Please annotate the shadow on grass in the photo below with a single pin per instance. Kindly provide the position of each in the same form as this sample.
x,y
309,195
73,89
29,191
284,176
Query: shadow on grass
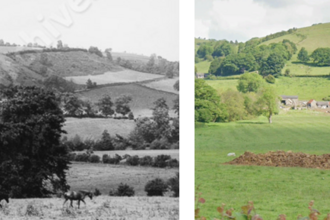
x,y
252,122
309,64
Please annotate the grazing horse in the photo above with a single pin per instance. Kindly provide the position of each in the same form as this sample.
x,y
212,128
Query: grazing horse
x,y
5,197
80,196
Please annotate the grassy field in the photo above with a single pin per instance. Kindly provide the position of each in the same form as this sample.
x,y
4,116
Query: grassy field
x,y
143,98
274,190
92,128
86,176
203,67
141,153
124,76
305,88
164,85
100,208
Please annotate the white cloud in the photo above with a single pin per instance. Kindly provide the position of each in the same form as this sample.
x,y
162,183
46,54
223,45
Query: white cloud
x,y
243,19
202,28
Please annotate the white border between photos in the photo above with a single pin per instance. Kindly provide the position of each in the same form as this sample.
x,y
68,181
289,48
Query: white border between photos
x,y
187,134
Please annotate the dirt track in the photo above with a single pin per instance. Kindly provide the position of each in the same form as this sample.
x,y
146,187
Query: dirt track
x,y
283,159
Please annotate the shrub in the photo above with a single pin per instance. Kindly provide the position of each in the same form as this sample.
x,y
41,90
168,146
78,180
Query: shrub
x,y
270,79
174,185
123,190
155,187
97,192
133,161
160,160
159,144
94,159
72,156
173,163
145,161
175,146
130,116
82,157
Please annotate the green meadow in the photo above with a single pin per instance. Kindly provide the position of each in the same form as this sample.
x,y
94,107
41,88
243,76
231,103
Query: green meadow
x,y
203,66
305,87
274,190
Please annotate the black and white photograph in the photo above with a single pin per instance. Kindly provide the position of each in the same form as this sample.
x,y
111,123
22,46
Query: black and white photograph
x,y
89,109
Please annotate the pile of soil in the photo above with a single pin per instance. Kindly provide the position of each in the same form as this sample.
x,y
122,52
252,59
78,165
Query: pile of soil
x,y
283,159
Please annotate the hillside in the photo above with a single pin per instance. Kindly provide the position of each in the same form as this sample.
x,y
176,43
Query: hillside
x,y
311,38
130,56
71,63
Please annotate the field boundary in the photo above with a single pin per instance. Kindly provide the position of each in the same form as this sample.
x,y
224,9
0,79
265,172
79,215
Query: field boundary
x,y
138,83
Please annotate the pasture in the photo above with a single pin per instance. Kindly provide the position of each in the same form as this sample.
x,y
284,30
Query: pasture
x,y
274,190
101,208
110,77
203,66
163,85
142,97
305,87
92,128
88,176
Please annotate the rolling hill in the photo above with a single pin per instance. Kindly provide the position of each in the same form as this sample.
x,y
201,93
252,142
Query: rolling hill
x,y
312,37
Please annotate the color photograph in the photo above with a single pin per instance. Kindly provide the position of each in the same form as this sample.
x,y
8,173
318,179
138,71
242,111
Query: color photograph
x,y
262,109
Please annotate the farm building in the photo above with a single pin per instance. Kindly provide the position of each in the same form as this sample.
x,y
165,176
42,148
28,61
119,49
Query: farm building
x,y
289,100
311,103
323,104
200,75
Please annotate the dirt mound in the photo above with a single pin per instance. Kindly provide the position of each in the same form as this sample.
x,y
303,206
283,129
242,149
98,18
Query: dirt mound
x,y
283,159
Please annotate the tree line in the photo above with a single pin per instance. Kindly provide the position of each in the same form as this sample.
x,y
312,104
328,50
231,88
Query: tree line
x,y
254,97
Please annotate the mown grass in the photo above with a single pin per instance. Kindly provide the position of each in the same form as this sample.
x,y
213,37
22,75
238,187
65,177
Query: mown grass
x,y
306,88
274,190
203,66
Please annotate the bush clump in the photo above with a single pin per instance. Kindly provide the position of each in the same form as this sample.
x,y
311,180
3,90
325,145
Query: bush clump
x,y
174,185
133,161
82,157
155,187
97,192
145,161
123,190
161,161
270,79
94,159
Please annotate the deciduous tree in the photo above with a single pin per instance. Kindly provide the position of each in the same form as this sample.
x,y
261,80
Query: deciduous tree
x,y
30,152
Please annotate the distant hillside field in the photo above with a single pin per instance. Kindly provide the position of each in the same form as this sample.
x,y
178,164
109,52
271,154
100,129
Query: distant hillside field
x,y
123,76
92,128
72,63
306,88
6,49
164,85
130,56
203,67
143,98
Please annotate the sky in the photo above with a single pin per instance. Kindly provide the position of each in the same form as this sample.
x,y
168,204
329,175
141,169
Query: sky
x,y
141,27
242,20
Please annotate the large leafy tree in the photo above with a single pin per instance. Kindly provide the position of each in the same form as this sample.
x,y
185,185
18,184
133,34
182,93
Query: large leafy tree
x,y
208,107
105,105
30,151
272,65
321,56
268,102
161,117
303,55
122,106
250,82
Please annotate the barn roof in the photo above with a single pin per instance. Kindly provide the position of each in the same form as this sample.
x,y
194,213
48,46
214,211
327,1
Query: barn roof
x,y
310,101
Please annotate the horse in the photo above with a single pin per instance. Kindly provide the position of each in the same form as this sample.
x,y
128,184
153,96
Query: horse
x,y
5,197
80,196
